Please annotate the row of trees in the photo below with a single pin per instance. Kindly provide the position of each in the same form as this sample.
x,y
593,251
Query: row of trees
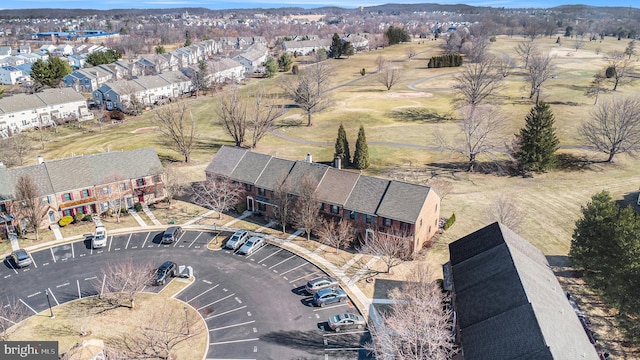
x,y
361,154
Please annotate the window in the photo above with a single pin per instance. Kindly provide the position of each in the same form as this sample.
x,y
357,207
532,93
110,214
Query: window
x,y
85,193
157,179
369,219
420,222
49,199
67,197
353,215
3,208
66,213
321,206
262,206
436,207
140,182
262,192
405,227
247,187
82,210
335,209
387,222
123,186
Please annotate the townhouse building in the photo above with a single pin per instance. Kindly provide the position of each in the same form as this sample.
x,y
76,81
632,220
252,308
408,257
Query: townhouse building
x,y
306,47
253,59
370,204
87,184
89,79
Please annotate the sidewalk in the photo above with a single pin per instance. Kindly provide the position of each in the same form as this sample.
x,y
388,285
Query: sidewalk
x,y
137,217
148,212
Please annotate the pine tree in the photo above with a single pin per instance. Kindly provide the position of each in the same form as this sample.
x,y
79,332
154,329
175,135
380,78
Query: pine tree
x,y
342,147
361,155
335,51
537,140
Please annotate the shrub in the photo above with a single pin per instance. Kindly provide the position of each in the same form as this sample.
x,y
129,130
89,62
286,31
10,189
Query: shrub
x,y
138,207
78,217
66,220
363,72
450,221
294,69
123,210
116,115
241,207
449,60
87,218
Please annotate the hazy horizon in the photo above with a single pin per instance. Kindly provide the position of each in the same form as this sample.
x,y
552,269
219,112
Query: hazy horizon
x,y
268,4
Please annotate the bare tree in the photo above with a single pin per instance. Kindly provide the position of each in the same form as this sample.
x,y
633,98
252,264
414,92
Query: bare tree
x,y
596,87
504,66
524,50
389,76
220,194
506,211
114,192
282,202
18,146
479,134
614,127
417,325
32,210
578,43
120,283
540,70
178,125
391,247
336,233
478,82
619,69
306,208
263,112
442,187
173,183
232,113
381,62
168,327
12,311
309,88
411,53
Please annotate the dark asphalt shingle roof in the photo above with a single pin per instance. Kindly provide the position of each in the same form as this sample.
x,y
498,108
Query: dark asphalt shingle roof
x,y
225,161
336,186
509,303
367,194
250,167
275,172
403,201
303,169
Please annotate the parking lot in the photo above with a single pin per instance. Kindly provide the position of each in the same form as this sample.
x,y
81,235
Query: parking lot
x,y
254,306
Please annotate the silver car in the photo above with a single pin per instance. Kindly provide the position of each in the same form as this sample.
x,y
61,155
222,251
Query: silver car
x,y
237,239
21,258
319,283
251,245
346,321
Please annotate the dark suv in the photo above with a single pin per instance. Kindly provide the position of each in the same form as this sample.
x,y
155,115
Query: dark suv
x,y
167,270
171,235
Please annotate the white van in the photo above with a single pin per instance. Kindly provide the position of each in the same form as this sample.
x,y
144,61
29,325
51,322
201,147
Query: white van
x,y
99,237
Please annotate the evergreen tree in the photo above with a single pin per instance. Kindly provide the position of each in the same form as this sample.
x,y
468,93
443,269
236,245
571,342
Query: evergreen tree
x,y
342,147
50,72
335,51
188,41
537,141
347,49
270,67
361,155
284,62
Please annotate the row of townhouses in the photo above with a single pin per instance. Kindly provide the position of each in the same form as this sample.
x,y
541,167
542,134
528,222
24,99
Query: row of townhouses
x,y
89,184
370,204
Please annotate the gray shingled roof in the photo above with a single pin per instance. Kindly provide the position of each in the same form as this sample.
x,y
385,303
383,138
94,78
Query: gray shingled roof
x,y
174,77
37,172
20,102
403,201
225,161
250,167
302,169
336,186
509,303
367,194
6,189
276,171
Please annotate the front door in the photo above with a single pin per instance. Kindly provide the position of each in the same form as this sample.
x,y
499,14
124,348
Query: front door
x,y
141,198
52,217
250,203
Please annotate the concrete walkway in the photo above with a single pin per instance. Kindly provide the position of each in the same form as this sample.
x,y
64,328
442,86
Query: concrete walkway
x,y
153,218
244,215
137,217
199,217
56,232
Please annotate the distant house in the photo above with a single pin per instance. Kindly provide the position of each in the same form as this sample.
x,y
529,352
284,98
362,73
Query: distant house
x,y
253,59
306,47
88,184
220,71
10,75
508,303
370,204
88,79
23,111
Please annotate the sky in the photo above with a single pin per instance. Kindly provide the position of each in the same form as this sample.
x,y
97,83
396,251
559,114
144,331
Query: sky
x,y
230,4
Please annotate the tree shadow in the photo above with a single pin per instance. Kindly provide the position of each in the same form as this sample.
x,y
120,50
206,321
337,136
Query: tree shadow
x,y
566,103
419,114
571,162
496,167
629,199
382,287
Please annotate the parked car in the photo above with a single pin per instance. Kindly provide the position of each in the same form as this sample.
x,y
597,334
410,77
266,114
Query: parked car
x,y
99,239
319,283
329,296
21,258
237,239
168,269
250,246
346,321
171,235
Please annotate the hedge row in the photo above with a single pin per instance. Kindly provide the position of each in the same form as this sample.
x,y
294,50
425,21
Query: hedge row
x,y
449,60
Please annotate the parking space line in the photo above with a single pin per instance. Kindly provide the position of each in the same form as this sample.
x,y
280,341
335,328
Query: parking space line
x,y
34,294
233,341
110,242
27,305
53,296
331,307
283,261
346,332
269,256
61,285
230,326
52,254
302,277
217,301
206,291
145,240
91,278
12,268
226,312
129,239
194,240
207,282
79,293
297,267
73,253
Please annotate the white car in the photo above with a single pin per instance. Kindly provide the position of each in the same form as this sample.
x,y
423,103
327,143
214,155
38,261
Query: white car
x,y
251,245
99,239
